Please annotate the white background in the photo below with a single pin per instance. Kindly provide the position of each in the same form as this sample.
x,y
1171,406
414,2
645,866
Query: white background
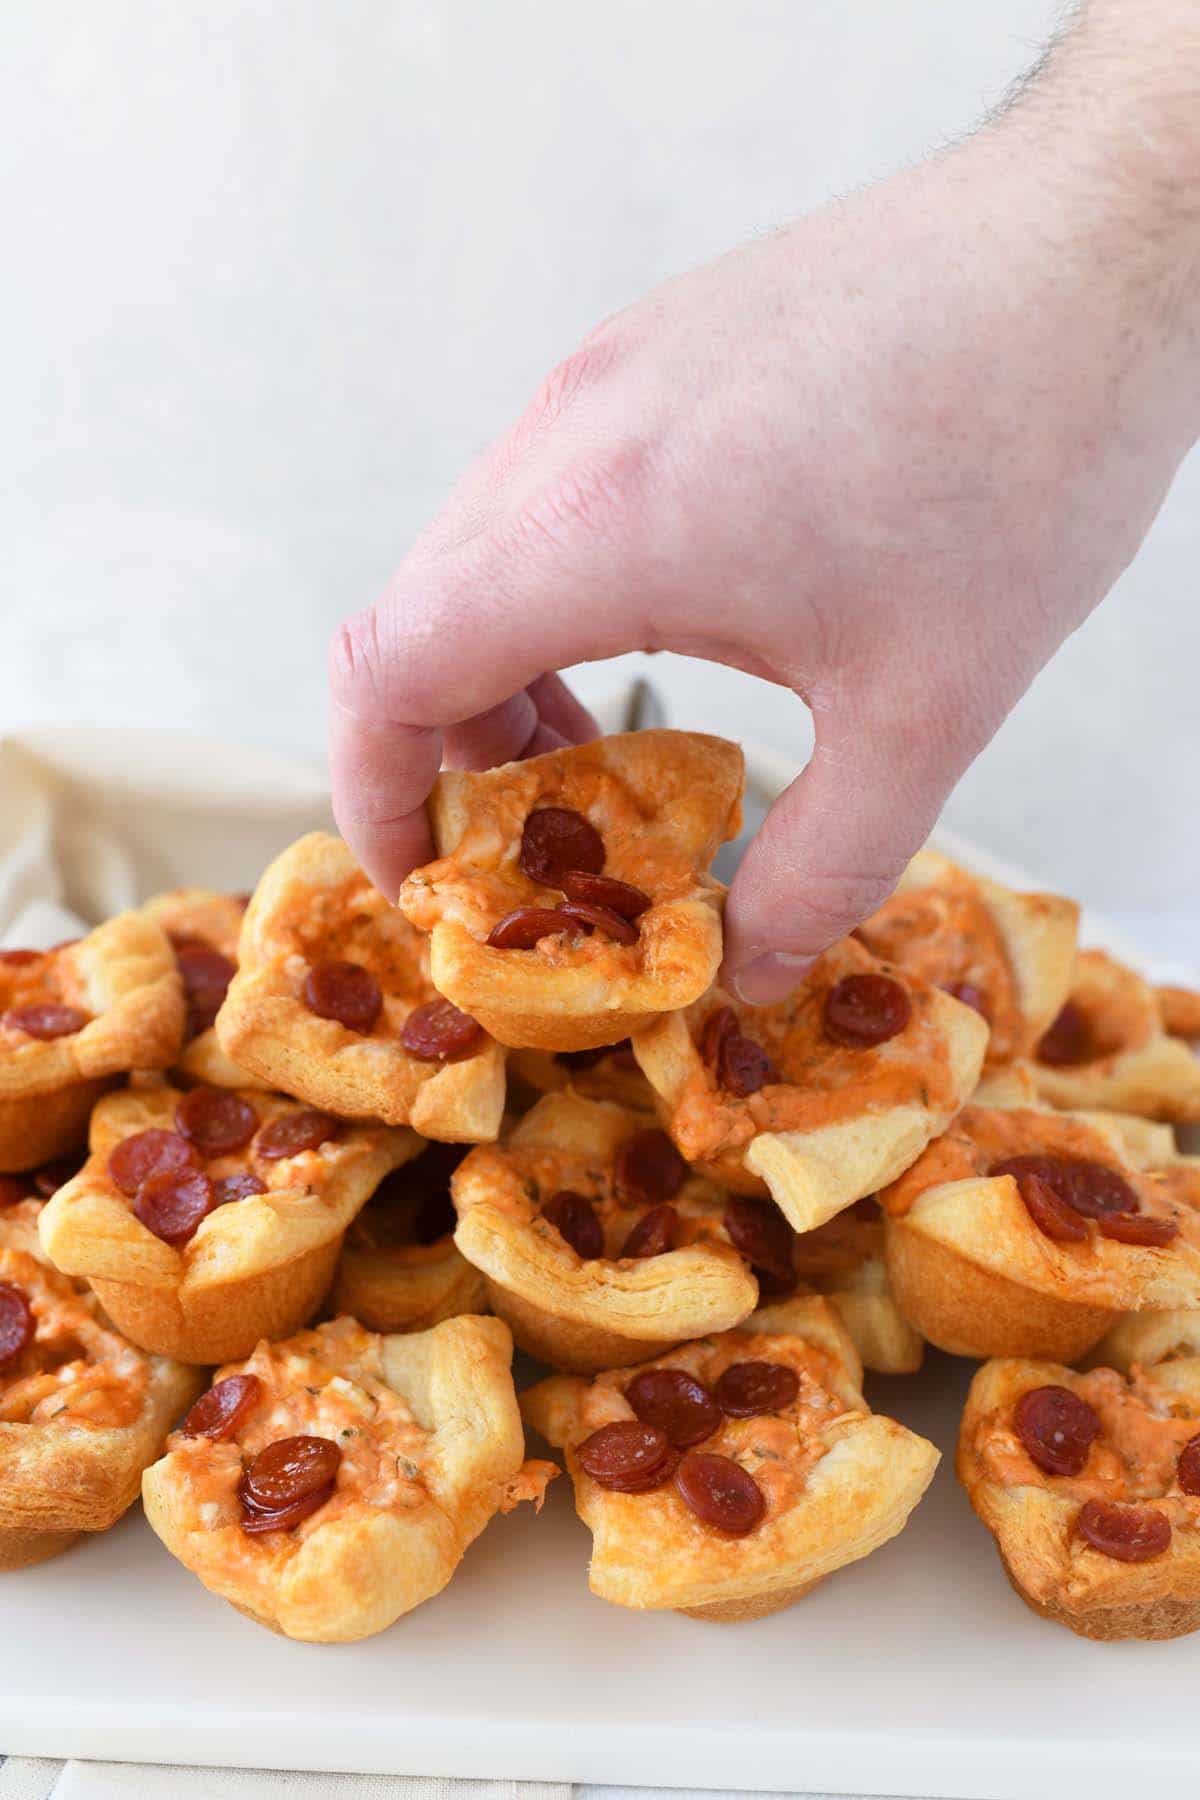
x,y
274,269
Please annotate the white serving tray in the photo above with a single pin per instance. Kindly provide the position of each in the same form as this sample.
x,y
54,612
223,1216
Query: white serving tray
x,y
916,1672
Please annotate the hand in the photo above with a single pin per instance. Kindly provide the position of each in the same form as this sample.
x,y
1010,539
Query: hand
x,y
888,458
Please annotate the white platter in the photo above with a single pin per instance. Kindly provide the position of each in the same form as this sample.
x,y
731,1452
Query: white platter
x,y
915,1672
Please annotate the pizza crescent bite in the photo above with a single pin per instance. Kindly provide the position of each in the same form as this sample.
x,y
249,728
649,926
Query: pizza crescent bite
x,y
82,1412
73,1017
843,1260
1157,1337
1090,1485
598,1244
332,1482
727,1478
203,928
208,1219
1024,1232
1109,1048
1011,956
332,1002
400,1269
823,1097
570,901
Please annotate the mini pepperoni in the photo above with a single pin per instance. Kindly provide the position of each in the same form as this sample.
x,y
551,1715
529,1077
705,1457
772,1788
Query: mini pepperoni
x,y
1092,1188
17,958
45,1022
1052,1215
558,841
242,1186
216,1120
599,918
864,1010
287,1482
438,1032
1057,1428
227,1404
172,1204
677,1403
525,927
344,992
648,1168
713,1032
50,1177
742,1065
759,1232
1149,1229
655,1233
601,890
1188,1467
1131,1534
968,994
206,976
155,1152
17,1325
255,1521
574,1218
292,1133
720,1492
746,1389
1068,1040
627,1456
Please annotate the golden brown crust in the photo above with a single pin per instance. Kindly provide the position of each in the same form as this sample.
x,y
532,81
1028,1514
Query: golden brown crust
x,y
42,1127
839,1481
663,801
849,1121
256,1267
604,1311
358,1564
1180,1009
1033,1516
1139,1068
314,904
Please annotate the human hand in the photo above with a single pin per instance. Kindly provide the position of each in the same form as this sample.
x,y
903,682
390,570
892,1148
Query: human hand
x,y
887,458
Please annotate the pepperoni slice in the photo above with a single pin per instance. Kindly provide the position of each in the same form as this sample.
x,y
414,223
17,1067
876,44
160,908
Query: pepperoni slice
x,y
759,1232
861,1011
1057,1429
742,1065
969,995
746,1389
525,927
439,1032
1150,1230
1052,1215
648,1168
344,992
51,1176
287,1481
13,1188
172,1204
599,918
155,1152
655,1233
225,1407
574,1218
292,1133
18,958
677,1403
242,1186
1131,1534
713,1033
45,1022
206,975
217,1121
720,1492
17,1326
285,1518
601,890
1068,1040
1188,1467
1092,1188
558,841
627,1456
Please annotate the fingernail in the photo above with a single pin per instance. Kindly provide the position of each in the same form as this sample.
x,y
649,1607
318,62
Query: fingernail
x,y
770,977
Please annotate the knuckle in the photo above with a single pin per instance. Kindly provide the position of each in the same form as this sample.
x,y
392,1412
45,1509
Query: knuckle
x,y
601,497
831,904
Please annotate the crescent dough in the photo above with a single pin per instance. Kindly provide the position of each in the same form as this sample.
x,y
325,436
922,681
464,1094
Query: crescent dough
x,y
1016,951
314,904
597,1313
1138,1067
1033,1515
839,1480
255,1267
75,1434
842,1122
432,1449
663,802
844,1260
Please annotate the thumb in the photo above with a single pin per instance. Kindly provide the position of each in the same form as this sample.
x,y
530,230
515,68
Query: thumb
x,y
834,845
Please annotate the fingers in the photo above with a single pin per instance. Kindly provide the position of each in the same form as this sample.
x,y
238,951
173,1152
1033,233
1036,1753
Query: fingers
x,y
543,716
833,847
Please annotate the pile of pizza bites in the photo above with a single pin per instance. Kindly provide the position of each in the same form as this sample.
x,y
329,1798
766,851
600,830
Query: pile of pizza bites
x,y
287,1175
